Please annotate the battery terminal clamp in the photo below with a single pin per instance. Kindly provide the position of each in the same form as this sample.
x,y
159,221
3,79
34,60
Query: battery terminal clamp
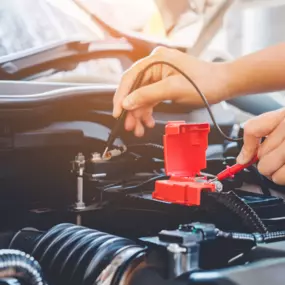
x,y
185,148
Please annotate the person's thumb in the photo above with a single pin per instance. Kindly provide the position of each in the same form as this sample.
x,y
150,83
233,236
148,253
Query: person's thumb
x,y
249,149
148,95
254,130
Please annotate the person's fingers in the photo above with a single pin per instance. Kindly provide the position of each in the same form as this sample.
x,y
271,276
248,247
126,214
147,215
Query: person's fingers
x,y
250,146
130,122
154,74
148,120
272,162
273,140
139,129
254,130
138,116
279,176
129,78
124,88
150,95
144,115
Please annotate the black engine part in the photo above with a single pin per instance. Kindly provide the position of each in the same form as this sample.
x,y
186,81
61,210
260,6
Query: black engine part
x,y
19,267
72,254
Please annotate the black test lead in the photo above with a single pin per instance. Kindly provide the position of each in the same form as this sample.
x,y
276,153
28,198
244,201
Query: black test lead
x,y
115,131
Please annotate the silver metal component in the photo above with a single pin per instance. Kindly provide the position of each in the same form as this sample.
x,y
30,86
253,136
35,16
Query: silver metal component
x,y
207,175
107,275
182,259
116,152
79,166
213,180
79,205
218,186
176,248
78,220
99,175
96,157
108,154
105,152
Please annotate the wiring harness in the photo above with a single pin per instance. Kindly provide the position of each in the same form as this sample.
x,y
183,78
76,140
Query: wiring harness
x,y
253,237
256,238
234,204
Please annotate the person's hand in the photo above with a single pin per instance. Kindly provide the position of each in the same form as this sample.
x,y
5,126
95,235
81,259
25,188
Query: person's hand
x,y
271,152
162,82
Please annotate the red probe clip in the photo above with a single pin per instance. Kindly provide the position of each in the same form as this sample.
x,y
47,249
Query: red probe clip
x,y
232,170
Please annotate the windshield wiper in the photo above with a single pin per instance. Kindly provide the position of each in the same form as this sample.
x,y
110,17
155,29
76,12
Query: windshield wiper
x,y
62,56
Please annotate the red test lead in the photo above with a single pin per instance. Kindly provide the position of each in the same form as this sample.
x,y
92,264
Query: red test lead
x,y
232,170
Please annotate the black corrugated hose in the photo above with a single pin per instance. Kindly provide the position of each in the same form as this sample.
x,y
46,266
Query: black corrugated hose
x,y
236,205
17,264
75,255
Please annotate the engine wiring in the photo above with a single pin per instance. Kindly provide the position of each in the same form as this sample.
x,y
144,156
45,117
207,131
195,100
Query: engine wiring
x,y
139,186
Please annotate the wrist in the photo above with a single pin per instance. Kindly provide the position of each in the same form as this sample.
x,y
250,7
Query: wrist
x,y
236,81
229,81
224,82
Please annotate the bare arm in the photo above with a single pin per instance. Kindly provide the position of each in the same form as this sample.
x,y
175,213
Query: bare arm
x,y
260,72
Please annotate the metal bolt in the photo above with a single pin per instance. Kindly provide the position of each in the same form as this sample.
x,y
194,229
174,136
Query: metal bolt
x,y
79,205
96,156
176,248
80,164
80,158
218,186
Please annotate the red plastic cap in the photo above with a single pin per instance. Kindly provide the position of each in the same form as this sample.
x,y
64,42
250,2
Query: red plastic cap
x,y
181,191
185,148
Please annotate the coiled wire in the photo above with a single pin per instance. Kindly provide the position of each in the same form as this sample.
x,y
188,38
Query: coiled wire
x,y
17,264
237,206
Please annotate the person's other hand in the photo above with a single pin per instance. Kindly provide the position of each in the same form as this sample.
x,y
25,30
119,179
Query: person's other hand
x,y
271,152
162,82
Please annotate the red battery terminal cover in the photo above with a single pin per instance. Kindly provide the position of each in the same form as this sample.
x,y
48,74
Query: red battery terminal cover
x,y
185,148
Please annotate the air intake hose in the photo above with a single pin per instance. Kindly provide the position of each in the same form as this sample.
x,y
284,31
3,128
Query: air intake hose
x,y
19,265
71,254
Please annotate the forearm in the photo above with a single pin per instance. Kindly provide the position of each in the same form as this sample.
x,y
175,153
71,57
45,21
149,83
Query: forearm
x,y
260,72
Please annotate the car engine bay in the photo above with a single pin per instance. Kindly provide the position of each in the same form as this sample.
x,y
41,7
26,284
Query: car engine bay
x,y
149,212
69,216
